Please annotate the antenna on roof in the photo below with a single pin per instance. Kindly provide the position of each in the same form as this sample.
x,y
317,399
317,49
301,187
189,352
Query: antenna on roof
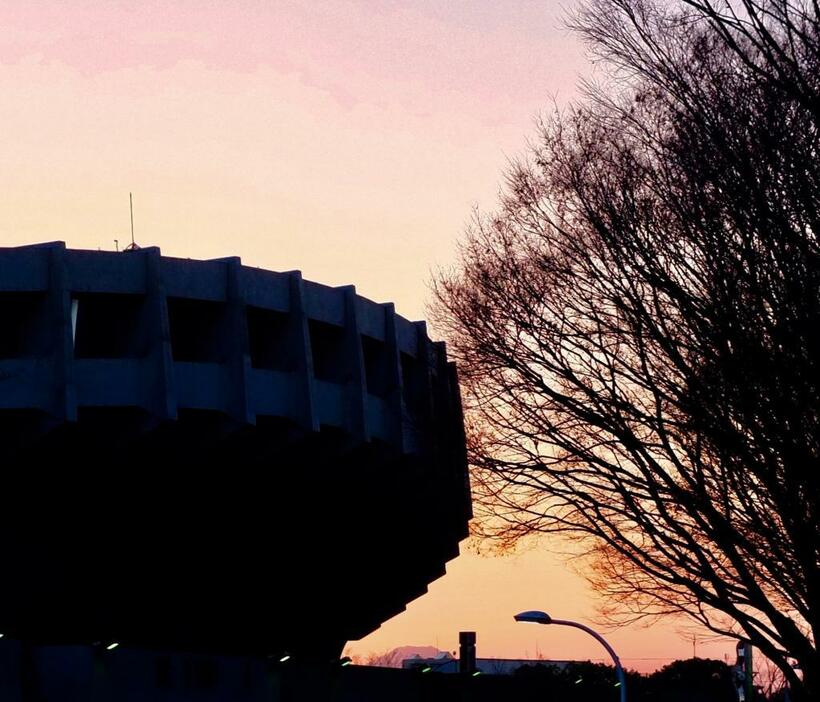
x,y
133,245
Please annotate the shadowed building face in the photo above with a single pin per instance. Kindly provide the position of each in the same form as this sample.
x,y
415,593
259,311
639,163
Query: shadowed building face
x,y
200,453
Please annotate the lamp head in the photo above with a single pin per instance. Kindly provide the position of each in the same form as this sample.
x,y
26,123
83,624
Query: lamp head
x,y
533,615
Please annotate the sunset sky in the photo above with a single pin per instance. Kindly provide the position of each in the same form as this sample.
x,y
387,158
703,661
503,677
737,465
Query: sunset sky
x,y
349,140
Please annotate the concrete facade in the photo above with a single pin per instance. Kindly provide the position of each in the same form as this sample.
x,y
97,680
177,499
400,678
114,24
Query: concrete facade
x,y
203,455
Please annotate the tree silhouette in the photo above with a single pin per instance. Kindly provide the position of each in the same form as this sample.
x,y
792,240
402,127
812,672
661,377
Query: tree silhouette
x,y
693,680
638,324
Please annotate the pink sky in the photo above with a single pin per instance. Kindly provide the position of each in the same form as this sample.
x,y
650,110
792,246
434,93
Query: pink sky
x,y
346,139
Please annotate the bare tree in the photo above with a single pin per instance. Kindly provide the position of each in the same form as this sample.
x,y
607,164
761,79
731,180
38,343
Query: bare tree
x,y
384,659
638,325
771,682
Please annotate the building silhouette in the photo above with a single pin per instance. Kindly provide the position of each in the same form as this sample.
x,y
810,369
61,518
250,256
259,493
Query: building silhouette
x,y
209,458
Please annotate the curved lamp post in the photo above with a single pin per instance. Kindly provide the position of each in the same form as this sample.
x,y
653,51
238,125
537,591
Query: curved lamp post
x,y
537,617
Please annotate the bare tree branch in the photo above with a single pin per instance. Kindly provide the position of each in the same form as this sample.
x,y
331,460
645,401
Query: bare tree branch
x,y
638,324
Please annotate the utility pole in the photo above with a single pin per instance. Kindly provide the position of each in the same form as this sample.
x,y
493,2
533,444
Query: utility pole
x,y
744,671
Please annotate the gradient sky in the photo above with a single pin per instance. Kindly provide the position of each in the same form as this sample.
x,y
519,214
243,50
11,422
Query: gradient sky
x,y
346,139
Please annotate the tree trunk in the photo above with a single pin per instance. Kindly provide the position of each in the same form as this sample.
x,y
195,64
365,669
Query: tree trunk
x,y
809,691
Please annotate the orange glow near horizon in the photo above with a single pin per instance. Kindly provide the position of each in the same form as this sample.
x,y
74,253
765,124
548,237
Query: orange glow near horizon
x,y
346,139
482,593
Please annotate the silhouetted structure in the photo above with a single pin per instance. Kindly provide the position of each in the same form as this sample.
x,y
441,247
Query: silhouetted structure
x,y
466,651
444,663
204,456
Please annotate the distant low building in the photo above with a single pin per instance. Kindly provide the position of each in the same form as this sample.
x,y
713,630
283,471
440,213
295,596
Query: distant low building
x,y
445,663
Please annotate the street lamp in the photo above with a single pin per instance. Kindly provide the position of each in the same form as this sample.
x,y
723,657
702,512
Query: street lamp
x,y
537,617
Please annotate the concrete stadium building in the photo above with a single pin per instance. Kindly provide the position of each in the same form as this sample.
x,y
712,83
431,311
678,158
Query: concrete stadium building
x,y
205,456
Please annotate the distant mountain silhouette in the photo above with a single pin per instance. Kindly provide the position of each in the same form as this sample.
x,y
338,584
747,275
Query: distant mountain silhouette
x,y
403,652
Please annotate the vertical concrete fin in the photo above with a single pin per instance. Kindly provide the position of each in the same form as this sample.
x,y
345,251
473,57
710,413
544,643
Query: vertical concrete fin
x,y
238,362
64,405
459,440
160,385
355,376
301,354
395,394
423,380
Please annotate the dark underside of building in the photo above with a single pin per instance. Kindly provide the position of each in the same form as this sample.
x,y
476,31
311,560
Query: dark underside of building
x,y
203,457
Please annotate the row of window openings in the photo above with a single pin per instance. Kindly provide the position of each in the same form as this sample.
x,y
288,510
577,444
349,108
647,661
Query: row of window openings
x,y
118,326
